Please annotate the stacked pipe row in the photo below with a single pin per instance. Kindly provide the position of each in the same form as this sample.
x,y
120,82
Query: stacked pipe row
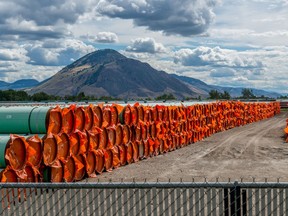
x,y
21,155
81,142
286,130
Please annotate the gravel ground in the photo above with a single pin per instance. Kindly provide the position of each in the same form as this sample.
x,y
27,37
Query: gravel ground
x,y
256,151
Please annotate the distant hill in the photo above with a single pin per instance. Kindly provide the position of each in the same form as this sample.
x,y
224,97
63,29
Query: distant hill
x,y
202,88
233,91
19,84
108,73
236,92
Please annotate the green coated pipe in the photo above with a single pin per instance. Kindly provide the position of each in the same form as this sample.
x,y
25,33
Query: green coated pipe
x,y
22,120
30,135
1,171
15,119
39,120
47,174
4,139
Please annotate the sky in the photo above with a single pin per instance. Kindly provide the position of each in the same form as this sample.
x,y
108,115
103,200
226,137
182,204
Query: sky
x,y
239,43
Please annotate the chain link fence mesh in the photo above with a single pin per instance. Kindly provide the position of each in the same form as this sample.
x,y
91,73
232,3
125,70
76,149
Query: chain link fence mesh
x,y
146,198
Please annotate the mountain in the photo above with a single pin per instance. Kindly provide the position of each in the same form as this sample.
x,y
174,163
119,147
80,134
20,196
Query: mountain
x,y
108,73
199,86
236,92
3,83
19,84
233,91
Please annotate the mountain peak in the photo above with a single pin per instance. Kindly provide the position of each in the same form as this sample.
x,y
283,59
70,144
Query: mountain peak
x,y
98,57
106,53
108,73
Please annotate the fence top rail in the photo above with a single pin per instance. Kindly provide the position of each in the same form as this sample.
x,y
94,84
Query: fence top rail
x,y
99,185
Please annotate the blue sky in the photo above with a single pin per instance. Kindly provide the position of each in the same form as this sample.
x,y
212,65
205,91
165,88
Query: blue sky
x,y
241,43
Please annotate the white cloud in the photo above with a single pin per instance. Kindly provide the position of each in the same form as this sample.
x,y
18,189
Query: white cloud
x,y
240,78
106,37
56,53
40,56
5,64
249,37
137,55
45,12
184,17
38,20
222,72
216,56
256,22
16,54
146,45
6,68
101,37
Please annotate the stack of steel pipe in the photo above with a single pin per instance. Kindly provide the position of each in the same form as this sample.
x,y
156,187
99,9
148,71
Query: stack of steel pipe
x,y
83,141
86,144
286,130
21,155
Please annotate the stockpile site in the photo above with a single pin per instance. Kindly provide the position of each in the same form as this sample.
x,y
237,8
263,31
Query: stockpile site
x,y
221,158
227,140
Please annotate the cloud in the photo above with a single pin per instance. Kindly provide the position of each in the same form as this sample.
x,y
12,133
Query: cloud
x,y
183,17
218,57
16,28
106,37
222,72
270,68
248,36
12,54
258,22
57,53
8,70
40,56
146,45
8,67
37,20
45,13
102,37
5,64
240,79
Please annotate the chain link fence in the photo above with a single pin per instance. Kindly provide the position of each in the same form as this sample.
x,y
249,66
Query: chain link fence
x,y
146,198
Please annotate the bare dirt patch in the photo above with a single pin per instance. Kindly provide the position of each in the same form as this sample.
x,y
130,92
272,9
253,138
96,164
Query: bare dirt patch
x,y
255,151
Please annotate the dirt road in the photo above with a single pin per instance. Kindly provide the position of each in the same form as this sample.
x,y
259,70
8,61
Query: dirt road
x,y
255,151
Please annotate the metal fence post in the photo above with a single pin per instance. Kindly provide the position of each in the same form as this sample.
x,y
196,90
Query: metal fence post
x,y
226,201
238,198
244,202
232,200
235,199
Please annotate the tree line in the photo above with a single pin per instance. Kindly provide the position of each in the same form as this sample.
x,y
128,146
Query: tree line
x,y
214,94
14,95
246,94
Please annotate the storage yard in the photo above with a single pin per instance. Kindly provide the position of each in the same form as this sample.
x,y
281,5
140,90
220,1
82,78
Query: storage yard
x,y
253,152
208,141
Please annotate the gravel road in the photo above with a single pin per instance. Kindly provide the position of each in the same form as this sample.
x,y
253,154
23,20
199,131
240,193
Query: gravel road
x,y
255,151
